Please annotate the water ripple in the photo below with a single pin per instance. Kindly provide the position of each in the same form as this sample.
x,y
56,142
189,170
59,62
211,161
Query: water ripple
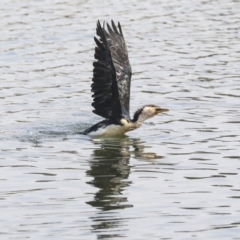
x,y
177,177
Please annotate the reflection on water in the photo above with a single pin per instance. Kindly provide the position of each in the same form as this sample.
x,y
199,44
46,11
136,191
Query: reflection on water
x,y
110,169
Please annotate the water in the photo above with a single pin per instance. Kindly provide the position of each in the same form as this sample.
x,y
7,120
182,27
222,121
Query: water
x,y
174,178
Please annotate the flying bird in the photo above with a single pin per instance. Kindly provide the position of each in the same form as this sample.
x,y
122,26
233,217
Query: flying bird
x,y
111,86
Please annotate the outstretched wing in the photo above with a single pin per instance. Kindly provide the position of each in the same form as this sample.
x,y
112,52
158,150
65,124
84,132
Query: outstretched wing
x,y
111,74
121,63
106,97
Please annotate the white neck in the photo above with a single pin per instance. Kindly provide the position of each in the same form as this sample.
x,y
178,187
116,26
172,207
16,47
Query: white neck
x,y
143,114
142,117
139,122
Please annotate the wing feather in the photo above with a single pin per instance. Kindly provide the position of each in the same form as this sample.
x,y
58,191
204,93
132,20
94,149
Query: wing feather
x,y
106,101
121,63
111,74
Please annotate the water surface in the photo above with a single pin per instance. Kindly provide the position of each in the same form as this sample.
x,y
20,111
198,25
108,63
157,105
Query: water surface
x,y
174,178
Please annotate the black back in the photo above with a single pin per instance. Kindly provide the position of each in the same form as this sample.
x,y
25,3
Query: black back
x,y
111,74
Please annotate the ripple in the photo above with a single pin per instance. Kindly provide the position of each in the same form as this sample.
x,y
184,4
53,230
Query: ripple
x,y
174,178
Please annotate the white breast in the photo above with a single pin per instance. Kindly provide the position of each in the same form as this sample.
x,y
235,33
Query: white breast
x,y
114,130
110,130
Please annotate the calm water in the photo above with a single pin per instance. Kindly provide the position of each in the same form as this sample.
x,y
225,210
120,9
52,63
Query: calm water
x,y
177,177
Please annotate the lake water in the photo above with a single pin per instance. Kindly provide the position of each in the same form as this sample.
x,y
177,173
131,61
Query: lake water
x,y
177,177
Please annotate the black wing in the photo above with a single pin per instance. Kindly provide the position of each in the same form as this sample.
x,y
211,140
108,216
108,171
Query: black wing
x,y
122,65
111,75
105,98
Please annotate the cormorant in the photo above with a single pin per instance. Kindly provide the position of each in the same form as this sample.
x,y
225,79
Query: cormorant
x,y
111,86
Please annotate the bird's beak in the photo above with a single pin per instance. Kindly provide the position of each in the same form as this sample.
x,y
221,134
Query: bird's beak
x,y
161,110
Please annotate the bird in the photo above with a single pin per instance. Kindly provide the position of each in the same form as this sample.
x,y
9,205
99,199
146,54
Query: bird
x,y
111,85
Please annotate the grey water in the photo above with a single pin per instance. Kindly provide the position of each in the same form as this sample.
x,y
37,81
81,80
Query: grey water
x,y
177,177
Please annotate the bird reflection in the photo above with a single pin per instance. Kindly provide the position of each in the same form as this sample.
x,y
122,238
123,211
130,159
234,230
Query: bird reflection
x,y
110,169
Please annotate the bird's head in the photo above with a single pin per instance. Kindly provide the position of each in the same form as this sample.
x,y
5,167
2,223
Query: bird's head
x,y
147,112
